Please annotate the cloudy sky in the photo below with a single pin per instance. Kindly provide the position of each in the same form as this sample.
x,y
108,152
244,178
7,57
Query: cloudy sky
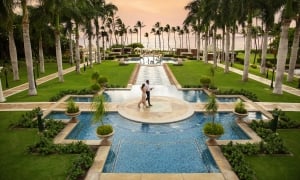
x,y
149,12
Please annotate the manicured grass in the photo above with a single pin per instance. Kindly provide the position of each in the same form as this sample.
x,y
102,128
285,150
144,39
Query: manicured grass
x,y
279,167
50,67
191,72
16,164
117,75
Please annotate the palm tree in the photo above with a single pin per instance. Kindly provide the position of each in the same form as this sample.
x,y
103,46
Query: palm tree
x,y
194,19
268,10
174,31
294,52
167,29
154,32
99,10
39,24
157,32
27,49
291,8
7,16
140,25
56,8
147,36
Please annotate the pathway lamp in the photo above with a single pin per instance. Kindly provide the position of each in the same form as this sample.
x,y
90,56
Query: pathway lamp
x,y
40,121
273,70
274,122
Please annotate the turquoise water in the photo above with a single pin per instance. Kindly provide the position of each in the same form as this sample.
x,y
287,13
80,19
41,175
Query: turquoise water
x,y
157,148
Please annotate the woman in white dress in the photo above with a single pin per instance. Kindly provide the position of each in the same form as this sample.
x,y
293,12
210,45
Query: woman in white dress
x,y
143,100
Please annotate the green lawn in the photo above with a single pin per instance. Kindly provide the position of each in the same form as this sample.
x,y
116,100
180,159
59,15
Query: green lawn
x,y
116,74
50,67
16,164
256,71
279,167
191,72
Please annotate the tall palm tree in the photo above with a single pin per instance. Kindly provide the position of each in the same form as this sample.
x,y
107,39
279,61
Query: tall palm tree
x,y
290,10
167,29
7,22
154,32
56,8
295,47
99,11
40,26
174,32
268,9
158,32
147,36
7,16
27,49
194,19
140,25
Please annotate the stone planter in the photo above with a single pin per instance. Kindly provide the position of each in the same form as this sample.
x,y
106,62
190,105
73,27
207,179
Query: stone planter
x,y
212,139
240,116
73,116
105,139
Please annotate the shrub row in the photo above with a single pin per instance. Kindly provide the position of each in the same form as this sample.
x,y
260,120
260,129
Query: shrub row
x,y
62,93
250,95
26,120
45,145
236,158
272,143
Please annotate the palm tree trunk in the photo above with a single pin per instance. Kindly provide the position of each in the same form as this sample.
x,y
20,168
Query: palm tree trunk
x,y
281,56
58,57
41,55
227,46
233,44
90,51
13,55
214,47
247,53
98,48
223,45
2,98
294,53
28,53
264,52
205,47
77,53
71,49
198,44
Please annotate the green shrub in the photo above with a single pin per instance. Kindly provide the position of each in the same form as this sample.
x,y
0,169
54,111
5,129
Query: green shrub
x,y
104,129
240,107
79,166
254,66
205,81
213,129
95,87
26,120
72,107
70,91
237,161
243,92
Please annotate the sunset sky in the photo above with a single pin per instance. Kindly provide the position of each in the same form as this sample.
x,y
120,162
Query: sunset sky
x,y
149,12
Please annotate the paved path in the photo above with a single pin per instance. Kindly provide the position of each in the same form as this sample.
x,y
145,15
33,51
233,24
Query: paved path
x,y
23,87
285,88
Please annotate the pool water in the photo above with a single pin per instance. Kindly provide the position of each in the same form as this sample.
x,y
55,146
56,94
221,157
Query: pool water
x,y
157,148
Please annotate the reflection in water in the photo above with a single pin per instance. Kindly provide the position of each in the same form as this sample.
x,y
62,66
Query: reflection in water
x,y
145,127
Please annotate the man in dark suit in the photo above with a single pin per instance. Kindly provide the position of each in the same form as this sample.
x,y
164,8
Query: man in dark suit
x,y
148,89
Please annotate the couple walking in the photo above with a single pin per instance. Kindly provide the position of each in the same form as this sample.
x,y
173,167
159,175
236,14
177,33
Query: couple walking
x,y
145,88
